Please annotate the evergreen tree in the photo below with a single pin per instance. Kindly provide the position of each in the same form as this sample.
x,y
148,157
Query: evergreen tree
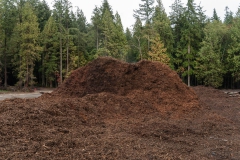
x,y
138,37
43,13
7,23
158,52
58,13
176,16
131,54
162,26
96,21
82,30
120,38
187,27
61,14
210,66
29,47
228,16
234,50
215,16
50,51
107,47
145,10
145,13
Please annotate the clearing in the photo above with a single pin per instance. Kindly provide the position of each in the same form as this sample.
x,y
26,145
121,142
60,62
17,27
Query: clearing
x,y
114,110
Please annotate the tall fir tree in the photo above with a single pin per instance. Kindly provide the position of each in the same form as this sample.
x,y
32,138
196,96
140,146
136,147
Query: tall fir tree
x,y
50,52
81,38
145,13
145,10
228,19
233,58
138,38
29,45
120,38
107,47
210,67
215,16
7,23
131,54
188,35
96,21
162,26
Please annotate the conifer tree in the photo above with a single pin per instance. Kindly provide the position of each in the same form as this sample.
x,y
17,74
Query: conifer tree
x,y
50,50
188,35
228,19
7,23
145,10
215,16
120,38
81,42
233,59
158,52
162,26
138,37
145,13
29,47
96,21
210,66
131,54
107,47
58,13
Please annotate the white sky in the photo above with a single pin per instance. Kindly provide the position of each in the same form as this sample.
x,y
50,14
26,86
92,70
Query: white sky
x,y
125,7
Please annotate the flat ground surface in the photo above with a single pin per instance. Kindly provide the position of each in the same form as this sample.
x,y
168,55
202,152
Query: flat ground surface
x,y
152,118
23,95
30,131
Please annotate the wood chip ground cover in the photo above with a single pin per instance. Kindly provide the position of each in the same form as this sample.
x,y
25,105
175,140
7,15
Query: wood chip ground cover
x,y
115,110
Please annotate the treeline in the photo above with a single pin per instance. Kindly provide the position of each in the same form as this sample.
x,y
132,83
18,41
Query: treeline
x,y
41,46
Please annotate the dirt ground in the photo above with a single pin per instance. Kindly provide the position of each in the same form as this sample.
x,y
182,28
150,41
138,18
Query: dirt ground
x,y
114,110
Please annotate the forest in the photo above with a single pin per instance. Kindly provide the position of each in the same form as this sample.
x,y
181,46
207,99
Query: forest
x,y
40,45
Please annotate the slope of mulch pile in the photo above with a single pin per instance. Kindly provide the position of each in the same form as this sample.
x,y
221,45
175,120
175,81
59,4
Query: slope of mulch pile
x,y
115,110
146,83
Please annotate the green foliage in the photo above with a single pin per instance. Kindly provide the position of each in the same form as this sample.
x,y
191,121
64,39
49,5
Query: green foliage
x,y
188,25
209,51
50,51
162,25
215,16
210,66
228,16
234,50
29,47
7,23
137,41
145,10
111,40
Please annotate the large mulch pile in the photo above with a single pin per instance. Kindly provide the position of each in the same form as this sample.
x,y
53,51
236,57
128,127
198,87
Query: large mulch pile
x,y
149,85
114,110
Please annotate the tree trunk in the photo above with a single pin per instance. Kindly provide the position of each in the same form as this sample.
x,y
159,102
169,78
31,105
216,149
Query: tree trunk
x,y
5,62
67,57
189,66
43,81
139,48
60,58
27,82
97,38
148,42
78,52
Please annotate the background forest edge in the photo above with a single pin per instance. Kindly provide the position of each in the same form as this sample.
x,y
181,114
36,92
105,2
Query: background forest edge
x,y
40,46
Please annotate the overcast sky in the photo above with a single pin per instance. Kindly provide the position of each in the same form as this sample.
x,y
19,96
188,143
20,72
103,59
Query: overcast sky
x,y
125,7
